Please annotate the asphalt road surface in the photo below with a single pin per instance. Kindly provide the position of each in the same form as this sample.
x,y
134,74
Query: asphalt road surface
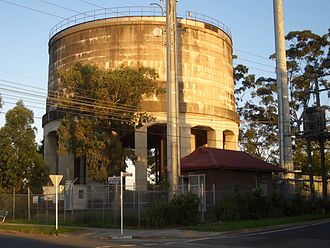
x,y
307,236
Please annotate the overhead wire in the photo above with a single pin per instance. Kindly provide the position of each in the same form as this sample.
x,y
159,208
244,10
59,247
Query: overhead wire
x,y
59,6
92,4
29,8
137,130
254,54
91,111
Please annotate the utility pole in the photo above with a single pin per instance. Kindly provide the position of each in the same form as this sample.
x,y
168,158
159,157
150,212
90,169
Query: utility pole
x,y
172,89
310,170
321,139
285,142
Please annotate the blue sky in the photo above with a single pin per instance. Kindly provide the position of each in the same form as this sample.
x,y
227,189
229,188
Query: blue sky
x,y
24,35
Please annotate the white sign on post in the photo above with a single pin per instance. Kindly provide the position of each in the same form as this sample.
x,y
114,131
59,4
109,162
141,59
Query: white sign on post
x,y
56,179
122,174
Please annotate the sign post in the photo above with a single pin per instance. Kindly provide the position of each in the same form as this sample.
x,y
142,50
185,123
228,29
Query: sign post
x,y
122,174
56,179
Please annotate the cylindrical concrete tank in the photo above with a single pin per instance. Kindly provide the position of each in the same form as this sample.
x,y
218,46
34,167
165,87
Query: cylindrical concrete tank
x,y
205,71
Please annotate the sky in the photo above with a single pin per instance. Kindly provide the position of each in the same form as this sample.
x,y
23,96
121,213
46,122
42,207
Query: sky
x,y
25,27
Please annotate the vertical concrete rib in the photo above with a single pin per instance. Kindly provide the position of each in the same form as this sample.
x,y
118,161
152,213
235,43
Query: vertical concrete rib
x,y
172,98
285,142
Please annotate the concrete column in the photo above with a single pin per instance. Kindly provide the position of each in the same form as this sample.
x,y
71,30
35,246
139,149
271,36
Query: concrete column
x,y
66,166
141,144
51,157
185,141
214,139
193,142
230,140
285,140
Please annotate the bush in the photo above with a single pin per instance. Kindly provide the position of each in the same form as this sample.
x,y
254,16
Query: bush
x,y
157,215
182,210
255,205
185,209
228,210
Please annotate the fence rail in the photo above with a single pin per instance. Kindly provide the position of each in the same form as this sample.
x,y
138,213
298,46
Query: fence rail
x,y
130,11
95,205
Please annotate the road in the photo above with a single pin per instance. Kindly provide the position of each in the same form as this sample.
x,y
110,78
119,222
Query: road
x,y
314,235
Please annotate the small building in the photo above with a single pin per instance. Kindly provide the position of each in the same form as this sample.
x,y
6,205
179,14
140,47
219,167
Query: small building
x,y
219,172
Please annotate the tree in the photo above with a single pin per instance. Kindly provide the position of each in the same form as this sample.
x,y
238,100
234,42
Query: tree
x,y
256,103
101,108
21,166
308,63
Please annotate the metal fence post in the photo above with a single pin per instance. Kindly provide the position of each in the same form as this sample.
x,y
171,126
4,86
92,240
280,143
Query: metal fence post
x,y
29,204
103,197
92,212
139,208
14,203
116,204
214,202
64,204
72,203
46,203
38,209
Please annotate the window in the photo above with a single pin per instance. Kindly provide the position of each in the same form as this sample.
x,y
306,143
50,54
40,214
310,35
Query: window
x,y
81,194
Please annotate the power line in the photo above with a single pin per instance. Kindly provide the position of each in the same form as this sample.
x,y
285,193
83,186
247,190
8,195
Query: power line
x,y
56,94
136,130
254,62
19,75
92,4
29,8
59,6
258,69
254,54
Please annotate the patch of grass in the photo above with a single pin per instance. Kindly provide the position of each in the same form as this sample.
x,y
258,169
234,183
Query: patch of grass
x,y
37,229
238,225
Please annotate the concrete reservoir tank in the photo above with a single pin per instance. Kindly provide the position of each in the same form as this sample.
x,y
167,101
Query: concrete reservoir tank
x,y
135,36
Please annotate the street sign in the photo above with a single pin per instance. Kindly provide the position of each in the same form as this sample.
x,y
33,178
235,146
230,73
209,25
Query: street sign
x,y
126,174
122,175
56,179
114,180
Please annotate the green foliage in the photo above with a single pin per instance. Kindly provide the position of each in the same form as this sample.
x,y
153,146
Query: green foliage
x,y
158,215
102,108
38,229
21,166
255,205
308,65
182,210
185,209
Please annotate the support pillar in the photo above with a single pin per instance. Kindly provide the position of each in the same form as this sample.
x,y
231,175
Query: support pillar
x,y
214,139
141,146
186,141
51,156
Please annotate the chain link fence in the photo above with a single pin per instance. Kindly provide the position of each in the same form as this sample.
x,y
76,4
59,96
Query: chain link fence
x,y
93,205
99,205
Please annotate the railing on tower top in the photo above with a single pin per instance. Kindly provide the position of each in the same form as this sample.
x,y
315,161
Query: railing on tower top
x,y
131,11
207,19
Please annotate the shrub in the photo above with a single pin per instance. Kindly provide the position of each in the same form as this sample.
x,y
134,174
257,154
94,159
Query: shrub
x,y
182,210
228,210
185,209
157,215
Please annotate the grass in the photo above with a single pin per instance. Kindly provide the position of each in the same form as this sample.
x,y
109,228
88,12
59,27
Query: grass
x,y
215,227
37,229
238,225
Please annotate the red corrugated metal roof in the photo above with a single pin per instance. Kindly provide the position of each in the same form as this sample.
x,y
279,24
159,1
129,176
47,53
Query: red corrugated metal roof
x,y
213,158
